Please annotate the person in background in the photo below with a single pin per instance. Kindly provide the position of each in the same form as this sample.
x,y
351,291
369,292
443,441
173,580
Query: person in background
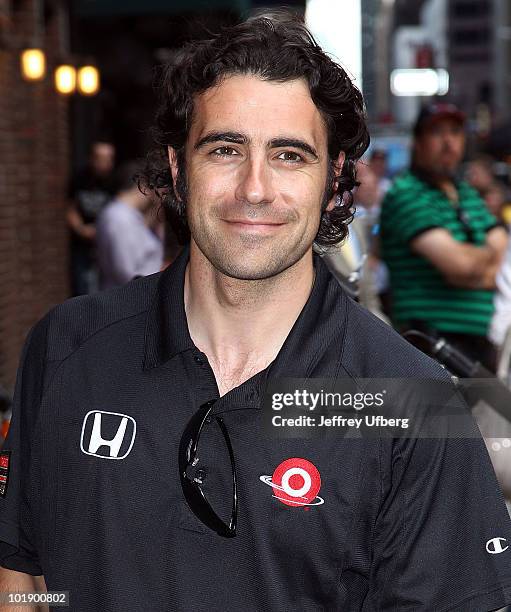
x,y
442,246
367,198
89,192
480,175
129,242
352,260
495,199
368,195
378,164
501,321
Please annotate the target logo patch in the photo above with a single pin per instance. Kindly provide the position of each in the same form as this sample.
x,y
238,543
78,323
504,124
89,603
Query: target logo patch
x,y
295,482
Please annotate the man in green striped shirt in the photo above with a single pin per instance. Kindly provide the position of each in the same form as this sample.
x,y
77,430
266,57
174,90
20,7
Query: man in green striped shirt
x,y
442,246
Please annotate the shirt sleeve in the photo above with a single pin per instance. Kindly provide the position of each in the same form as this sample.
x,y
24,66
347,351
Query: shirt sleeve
x,y
118,247
17,523
442,540
410,212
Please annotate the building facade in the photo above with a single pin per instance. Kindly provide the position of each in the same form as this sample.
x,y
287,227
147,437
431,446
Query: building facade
x,y
33,175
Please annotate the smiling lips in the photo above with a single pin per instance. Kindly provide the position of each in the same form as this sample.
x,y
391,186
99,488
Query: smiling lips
x,y
253,225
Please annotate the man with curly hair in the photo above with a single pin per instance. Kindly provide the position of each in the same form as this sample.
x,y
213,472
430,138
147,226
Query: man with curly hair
x,y
135,468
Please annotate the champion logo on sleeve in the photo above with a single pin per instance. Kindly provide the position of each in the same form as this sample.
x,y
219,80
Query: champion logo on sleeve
x,y
495,546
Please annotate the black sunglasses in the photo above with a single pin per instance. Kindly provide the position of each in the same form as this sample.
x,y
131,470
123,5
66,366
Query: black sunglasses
x,y
192,476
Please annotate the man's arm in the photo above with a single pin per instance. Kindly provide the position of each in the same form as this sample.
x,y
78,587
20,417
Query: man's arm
x,y
463,265
13,582
77,224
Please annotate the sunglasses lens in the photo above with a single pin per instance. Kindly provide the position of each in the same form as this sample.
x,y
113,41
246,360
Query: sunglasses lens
x,y
207,472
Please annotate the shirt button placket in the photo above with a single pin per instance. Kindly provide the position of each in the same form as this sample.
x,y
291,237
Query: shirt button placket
x,y
205,382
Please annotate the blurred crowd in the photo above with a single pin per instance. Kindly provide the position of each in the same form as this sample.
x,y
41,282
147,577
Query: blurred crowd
x,y
117,232
436,257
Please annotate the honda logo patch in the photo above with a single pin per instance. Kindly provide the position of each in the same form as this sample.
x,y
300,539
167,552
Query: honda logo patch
x,y
108,435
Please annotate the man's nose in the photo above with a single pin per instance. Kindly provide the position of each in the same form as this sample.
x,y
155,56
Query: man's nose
x,y
255,183
451,140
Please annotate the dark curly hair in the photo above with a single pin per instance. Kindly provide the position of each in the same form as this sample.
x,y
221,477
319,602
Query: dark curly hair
x,y
275,47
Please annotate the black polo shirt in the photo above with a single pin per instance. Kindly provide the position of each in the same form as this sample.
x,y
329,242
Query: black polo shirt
x,y
404,524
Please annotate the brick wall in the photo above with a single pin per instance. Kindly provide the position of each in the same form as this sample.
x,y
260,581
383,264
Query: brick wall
x,y
34,161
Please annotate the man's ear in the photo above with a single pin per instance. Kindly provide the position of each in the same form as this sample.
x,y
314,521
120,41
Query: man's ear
x,y
174,169
338,164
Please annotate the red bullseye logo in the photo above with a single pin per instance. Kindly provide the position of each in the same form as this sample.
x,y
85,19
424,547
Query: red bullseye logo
x,y
295,482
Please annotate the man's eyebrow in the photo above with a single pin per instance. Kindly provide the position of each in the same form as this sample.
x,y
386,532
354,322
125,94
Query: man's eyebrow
x,y
235,137
239,138
296,143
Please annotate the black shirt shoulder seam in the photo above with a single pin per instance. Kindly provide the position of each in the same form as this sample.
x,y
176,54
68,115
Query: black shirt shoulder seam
x,y
61,361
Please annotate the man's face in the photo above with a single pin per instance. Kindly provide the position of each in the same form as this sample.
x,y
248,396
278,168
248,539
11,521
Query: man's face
x,y
102,158
378,165
439,148
256,171
367,193
479,177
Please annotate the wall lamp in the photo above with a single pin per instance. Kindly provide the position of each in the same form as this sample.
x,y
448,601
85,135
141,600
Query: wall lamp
x,y
84,80
33,64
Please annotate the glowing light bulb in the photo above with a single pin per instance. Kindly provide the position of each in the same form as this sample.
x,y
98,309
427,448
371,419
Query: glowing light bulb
x,y
88,80
33,64
65,79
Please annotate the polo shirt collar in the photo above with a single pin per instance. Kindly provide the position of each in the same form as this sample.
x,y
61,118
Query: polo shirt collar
x,y
322,318
166,333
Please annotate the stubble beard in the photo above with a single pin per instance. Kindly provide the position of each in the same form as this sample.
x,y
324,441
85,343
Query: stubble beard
x,y
245,255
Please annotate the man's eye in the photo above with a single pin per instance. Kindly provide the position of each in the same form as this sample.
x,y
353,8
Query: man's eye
x,y
290,156
224,152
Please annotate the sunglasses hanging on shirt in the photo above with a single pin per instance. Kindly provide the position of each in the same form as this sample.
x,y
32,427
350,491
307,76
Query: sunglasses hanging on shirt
x,y
192,475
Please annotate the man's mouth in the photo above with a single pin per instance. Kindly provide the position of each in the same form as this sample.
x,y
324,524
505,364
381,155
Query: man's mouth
x,y
253,224
447,153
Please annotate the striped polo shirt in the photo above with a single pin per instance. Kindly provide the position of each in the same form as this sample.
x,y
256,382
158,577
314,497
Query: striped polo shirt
x,y
419,291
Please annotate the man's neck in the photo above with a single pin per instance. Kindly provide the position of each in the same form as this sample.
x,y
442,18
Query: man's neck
x,y
241,325
130,199
443,182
